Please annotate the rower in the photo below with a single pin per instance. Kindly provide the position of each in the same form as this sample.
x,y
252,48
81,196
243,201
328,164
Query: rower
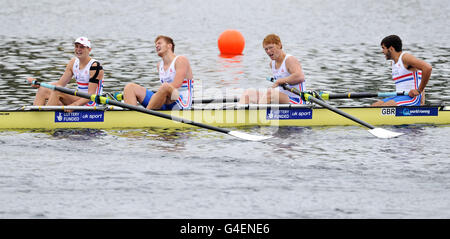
x,y
176,78
409,74
285,69
87,72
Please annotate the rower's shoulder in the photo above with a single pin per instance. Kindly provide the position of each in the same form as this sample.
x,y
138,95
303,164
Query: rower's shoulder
x,y
72,61
182,60
291,57
96,63
406,56
409,59
70,64
292,60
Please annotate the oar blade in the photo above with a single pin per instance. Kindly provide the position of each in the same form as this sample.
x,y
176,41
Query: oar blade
x,y
250,137
384,133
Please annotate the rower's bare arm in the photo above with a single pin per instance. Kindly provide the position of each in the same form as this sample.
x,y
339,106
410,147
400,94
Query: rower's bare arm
x,y
296,76
182,69
414,64
63,80
67,75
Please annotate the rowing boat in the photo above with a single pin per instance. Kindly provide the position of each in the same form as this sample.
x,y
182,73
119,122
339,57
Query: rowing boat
x,y
220,115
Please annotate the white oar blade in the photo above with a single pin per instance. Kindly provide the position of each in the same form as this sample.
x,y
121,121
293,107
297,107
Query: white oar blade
x,y
384,133
250,137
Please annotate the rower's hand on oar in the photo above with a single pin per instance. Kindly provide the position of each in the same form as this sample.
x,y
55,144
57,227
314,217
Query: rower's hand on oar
x,y
30,80
276,83
413,93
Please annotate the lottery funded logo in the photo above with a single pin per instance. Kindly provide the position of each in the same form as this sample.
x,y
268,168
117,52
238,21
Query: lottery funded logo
x,y
79,116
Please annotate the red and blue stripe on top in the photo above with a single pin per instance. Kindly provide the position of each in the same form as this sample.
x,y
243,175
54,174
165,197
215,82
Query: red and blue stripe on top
x,y
405,80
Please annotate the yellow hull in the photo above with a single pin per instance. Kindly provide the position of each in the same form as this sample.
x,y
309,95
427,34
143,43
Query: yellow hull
x,y
284,116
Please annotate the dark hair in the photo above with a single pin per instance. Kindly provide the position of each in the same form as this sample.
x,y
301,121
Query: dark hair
x,y
168,41
394,41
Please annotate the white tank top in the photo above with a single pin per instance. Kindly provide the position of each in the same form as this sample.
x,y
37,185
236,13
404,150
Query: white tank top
x,y
187,88
82,76
405,80
282,72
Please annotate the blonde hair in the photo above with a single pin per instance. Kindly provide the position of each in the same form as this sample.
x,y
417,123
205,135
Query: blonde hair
x,y
167,39
272,39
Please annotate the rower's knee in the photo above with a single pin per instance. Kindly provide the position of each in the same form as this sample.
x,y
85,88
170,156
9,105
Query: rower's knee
x,y
60,95
269,96
422,100
390,103
165,89
248,93
250,96
245,97
168,91
387,103
378,103
130,87
272,96
43,92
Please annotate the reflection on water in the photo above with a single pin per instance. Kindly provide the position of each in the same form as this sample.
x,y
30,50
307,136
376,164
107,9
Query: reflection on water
x,y
158,134
77,134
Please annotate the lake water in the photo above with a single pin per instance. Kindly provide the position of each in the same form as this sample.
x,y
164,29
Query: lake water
x,y
303,172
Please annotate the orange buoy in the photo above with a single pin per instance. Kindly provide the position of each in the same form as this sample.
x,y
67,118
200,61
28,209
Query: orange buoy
x,y
231,42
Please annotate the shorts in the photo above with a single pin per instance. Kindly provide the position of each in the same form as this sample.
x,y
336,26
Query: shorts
x,y
295,100
149,95
405,100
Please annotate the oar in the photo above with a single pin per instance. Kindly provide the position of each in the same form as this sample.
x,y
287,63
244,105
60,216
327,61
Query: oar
x,y
217,100
119,97
105,100
378,132
356,95
323,95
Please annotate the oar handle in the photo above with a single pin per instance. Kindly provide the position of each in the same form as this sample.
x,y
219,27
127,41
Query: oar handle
x,y
35,82
350,95
217,100
303,95
357,95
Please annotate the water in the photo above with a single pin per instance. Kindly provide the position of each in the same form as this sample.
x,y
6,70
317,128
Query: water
x,y
303,172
